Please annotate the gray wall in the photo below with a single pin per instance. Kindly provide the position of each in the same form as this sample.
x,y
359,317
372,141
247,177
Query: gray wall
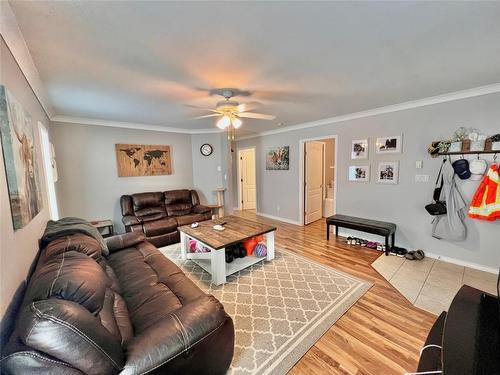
x,y
89,186
208,171
18,249
402,203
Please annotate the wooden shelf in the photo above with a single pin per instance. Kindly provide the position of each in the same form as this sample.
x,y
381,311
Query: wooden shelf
x,y
236,265
469,152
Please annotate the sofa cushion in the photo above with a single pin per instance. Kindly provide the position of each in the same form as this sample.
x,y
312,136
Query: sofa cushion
x,y
78,242
70,333
184,332
71,276
178,196
189,219
121,241
149,206
114,317
165,239
162,226
152,285
179,209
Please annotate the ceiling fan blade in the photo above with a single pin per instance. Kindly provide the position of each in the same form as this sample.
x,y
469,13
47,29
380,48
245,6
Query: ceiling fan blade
x,y
245,107
211,115
201,108
259,116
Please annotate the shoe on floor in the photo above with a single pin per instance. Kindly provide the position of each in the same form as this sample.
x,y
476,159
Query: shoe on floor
x,y
398,251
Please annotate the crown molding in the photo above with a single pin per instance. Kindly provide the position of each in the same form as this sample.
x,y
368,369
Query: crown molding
x,y
457,95
129,125
14,39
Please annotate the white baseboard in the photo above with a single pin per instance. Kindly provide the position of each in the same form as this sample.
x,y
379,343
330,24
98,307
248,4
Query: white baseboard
x,y
289,221
347,232
459,262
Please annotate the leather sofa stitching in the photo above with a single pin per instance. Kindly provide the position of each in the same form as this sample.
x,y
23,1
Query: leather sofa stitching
x,y
178,354
75,329
34,355
59,270
31,329
183,331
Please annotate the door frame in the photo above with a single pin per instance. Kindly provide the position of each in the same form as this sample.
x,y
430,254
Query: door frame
x,y
302,172
240,197
51,193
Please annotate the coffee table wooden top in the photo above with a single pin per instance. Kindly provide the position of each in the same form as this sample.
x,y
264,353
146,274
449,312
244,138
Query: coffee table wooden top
x,y
236,230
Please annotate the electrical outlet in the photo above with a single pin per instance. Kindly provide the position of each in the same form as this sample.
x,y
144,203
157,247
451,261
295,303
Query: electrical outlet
x,y
421,178
278,207
419,164
219,168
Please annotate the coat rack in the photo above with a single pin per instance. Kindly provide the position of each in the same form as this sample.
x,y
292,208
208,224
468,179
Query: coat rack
x,y
469,152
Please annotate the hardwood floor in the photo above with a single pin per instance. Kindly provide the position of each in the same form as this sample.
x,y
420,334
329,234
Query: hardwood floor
x,y
381,334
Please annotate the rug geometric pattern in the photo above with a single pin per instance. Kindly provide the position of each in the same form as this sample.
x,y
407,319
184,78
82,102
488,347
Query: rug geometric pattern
x,y
279,308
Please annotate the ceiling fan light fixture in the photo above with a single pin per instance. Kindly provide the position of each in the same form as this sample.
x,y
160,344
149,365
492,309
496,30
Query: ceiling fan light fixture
x,y
224,122
236,122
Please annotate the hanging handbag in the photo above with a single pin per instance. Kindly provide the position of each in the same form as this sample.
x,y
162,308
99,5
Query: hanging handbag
x,y
439,206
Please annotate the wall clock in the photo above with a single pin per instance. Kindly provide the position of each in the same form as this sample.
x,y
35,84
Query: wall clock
x,y
206,149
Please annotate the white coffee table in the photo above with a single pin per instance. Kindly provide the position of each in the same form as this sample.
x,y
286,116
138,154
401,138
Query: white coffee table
x,y
236,230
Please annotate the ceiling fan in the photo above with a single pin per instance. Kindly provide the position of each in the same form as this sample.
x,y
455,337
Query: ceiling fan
x,y
230,111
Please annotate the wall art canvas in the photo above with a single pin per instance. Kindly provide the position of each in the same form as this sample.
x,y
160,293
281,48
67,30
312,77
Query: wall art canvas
x,y
143,160
359,173
359,149
388,172
278,158
388,145
21,166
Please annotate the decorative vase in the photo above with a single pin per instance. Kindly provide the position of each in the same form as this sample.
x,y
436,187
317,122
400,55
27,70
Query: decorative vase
x,y
477,145
455,146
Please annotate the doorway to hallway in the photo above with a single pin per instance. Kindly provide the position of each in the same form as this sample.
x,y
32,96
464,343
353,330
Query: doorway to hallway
x,y
318,178
247,190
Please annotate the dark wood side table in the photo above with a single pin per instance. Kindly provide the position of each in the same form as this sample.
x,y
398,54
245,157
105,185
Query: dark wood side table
x,y
105,226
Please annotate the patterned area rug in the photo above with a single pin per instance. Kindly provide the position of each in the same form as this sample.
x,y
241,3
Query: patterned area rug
x,y
280,308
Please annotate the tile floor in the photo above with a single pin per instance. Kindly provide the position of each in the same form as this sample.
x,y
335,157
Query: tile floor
x,y
431,284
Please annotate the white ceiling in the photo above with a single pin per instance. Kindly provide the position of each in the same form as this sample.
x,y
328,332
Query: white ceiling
x,y
143,62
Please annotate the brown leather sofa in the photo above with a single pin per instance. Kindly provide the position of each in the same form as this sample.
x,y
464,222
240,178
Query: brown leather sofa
x,y
158,214
126,309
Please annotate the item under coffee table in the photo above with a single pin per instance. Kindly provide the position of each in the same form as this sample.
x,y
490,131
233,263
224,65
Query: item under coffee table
x,y
236,230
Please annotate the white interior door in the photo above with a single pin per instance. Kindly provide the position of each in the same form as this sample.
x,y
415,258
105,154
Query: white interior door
x,y
247,179
313,181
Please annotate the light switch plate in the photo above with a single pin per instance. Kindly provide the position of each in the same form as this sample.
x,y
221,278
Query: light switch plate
x,y
419,164
421,178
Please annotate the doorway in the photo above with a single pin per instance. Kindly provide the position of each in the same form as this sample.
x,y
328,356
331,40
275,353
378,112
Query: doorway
x,y
50,170
247,191
318,178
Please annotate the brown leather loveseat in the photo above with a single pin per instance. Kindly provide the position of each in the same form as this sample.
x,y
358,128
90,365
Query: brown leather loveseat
x,y
158,214
124,310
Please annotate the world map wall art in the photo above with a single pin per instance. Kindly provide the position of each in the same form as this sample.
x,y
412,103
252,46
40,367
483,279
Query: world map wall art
x,y
143,160
19,156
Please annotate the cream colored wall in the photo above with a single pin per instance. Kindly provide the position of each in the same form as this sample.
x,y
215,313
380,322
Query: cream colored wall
x,y
18,249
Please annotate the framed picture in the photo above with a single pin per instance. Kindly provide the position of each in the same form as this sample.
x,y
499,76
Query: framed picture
x,y
388,172
20,160
359,173
278,158
388,145
359,149
142,160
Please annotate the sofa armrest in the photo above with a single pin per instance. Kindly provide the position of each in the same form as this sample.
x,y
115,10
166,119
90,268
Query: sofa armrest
x,y
200,209
178,335
122,241
130,220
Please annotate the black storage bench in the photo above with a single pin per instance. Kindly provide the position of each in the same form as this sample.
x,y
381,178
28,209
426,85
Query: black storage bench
x,y
381,228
